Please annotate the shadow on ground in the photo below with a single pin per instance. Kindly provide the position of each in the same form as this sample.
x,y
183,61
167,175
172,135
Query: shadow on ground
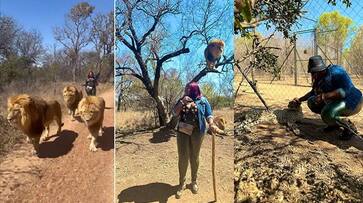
x,y
60,146
312,129
162,135
152,192
106,141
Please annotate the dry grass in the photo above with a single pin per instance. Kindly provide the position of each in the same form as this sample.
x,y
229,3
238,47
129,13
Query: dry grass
x,y
9,136
134,120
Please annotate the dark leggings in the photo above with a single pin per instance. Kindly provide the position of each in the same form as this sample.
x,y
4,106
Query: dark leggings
x,y
332,111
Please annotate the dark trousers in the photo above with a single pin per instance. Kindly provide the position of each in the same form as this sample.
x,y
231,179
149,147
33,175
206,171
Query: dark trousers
x,y
332,111
188,150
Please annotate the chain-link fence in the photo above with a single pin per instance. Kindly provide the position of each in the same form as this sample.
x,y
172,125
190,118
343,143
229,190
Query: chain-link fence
x,y
276,151
334,32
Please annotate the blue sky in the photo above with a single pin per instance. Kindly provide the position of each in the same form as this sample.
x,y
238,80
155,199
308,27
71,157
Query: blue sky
x,y
191,60
44,15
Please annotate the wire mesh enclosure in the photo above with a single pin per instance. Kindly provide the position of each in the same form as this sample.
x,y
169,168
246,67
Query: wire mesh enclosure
x,y
334,32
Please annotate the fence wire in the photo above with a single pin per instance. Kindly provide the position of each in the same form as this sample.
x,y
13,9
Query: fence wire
x,y
311,39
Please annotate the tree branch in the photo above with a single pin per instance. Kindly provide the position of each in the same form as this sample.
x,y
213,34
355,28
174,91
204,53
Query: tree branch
x,y
160,62
133,73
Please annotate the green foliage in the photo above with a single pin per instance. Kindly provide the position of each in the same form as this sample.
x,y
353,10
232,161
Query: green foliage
x,y
282,14
216,100
13,69
348,3
265,60
333,28
245,6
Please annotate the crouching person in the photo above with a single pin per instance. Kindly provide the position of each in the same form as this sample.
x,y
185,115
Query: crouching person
x,y
333,96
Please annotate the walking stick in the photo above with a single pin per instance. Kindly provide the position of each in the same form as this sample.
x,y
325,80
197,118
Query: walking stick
x,y
214,166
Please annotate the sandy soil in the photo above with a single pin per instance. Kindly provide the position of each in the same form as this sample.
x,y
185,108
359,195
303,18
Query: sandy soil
x,y
147,169
275,165
66,170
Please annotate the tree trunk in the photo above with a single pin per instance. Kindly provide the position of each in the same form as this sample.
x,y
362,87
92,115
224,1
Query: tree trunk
x,y
74,74
163,118
74,68
119,102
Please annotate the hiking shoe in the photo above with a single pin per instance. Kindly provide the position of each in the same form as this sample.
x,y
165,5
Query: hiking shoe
x,y
195,188
180,191
348,125
346,135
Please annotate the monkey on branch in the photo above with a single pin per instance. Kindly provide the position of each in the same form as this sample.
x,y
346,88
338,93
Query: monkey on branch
x,y
213,52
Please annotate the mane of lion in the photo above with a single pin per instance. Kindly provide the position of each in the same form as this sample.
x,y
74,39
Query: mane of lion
x,y
91,110
33,115
32,112
213,52
72,96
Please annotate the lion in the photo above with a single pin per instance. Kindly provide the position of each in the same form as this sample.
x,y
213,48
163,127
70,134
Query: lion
x,y
91,109
221,123
213,52
33,116
72,96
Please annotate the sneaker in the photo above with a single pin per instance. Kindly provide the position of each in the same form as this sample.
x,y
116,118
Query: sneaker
x,y
195,188
180,191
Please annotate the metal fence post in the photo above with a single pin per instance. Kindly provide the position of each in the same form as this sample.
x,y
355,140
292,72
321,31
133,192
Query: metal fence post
x,y
315,43
295,63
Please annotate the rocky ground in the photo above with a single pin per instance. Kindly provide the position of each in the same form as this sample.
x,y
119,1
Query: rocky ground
x,y
275,164
147,167
65,171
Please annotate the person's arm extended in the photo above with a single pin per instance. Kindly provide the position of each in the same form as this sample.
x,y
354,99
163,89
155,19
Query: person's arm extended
x,y
209,117
305,97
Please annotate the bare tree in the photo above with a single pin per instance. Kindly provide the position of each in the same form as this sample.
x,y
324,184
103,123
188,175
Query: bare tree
x,y
140,29
75,34
29,45
8,33
102,38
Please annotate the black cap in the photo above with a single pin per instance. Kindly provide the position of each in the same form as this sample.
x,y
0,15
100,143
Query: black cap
x,y
316,64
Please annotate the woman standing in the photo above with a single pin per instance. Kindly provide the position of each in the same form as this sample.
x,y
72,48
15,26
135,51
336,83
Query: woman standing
x,y
91,84
194,112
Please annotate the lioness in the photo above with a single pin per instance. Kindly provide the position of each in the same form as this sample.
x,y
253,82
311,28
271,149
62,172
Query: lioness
x,y
33,116
91,110
72,96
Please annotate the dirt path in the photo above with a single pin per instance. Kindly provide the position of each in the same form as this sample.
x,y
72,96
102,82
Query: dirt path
x,y
147,170
275,165
66,170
